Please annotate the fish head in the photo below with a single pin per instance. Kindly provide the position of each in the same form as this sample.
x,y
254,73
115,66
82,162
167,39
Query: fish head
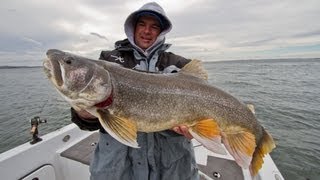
x,y
81,81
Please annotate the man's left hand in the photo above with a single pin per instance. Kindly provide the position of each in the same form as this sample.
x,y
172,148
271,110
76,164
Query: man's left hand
x,y
183,130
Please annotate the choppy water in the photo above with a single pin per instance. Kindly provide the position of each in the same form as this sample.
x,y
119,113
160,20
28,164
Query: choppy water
x,y
286,95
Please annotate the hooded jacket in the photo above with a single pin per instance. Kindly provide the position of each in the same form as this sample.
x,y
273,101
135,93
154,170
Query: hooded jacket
x,y
153,59
130,23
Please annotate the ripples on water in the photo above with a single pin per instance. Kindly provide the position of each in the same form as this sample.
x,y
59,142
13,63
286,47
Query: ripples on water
x,y
286,95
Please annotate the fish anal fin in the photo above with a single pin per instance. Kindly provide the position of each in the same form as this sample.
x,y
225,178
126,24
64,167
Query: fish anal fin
x,y
122,129
240,143
265,146
207,132
196,69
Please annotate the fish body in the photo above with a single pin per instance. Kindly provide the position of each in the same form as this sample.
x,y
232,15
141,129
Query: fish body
x,y
127,101
158,102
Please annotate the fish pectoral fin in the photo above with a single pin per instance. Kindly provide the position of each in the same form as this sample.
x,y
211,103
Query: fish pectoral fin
x,y
265,147
207,132
196,69
123,130
240,143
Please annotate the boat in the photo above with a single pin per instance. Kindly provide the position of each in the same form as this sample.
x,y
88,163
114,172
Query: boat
x,y
65,155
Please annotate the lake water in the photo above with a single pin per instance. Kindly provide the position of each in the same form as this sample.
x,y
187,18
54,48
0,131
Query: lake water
x,y
286,95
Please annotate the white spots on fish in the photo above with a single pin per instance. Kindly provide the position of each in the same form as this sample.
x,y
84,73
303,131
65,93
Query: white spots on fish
x,y
78,75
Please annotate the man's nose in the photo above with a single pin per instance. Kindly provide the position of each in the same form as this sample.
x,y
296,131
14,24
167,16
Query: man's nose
x,y
147,29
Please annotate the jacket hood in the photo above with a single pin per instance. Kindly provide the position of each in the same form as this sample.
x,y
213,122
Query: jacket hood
x,y
129,25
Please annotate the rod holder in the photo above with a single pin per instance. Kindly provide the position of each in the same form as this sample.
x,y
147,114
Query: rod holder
x,y
35,121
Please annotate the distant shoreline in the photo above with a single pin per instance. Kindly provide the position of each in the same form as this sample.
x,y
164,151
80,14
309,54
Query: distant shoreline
x,y
266,60
16,67
216,61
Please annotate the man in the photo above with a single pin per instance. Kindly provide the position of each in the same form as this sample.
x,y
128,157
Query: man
x,y
162,155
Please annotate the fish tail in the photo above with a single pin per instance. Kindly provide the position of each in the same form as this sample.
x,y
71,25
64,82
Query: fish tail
x,y
264,147
208,133
240,143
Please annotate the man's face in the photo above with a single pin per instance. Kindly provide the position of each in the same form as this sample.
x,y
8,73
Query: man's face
x,y
146,31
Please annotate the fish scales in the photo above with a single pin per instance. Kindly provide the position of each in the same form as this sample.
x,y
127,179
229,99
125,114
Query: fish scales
x,y
150,102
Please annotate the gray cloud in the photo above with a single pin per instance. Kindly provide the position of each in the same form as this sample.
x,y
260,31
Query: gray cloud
x,y
99,36
210,30
253,43
308,34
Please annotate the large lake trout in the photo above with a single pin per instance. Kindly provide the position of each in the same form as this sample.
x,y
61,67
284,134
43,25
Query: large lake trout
x,y
127,101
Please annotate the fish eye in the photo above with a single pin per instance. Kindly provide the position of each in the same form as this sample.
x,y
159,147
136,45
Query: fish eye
x,y
68,60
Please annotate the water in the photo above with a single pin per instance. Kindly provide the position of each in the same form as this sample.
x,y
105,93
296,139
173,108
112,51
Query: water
x,y
25,93
286,95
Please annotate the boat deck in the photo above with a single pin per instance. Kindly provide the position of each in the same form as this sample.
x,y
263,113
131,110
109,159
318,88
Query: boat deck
x,y
83,150
215,168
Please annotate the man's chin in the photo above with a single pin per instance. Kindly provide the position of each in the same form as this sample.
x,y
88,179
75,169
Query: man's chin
x,y
145,46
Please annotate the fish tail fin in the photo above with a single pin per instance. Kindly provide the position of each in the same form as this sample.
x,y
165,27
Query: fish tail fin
x,y
240,143
264,147
207,132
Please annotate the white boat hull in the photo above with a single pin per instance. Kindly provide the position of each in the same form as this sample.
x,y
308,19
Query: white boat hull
x,y
46,160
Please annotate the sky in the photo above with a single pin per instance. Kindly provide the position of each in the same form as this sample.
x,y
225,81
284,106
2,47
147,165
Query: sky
x,y
209,30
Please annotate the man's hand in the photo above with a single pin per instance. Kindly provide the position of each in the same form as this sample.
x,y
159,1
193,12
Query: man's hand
x,y
183,130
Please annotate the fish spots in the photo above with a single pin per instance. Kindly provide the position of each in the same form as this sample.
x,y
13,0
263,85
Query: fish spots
x,y
77,75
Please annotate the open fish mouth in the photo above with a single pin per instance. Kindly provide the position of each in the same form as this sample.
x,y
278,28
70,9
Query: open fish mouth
x,y
47,65
53,70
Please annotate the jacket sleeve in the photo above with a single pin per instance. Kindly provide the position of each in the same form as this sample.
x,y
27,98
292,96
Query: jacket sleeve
x,y
171,63
104,55
83,124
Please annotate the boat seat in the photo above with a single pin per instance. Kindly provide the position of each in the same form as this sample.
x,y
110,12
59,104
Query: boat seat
x,y
219,168
82,151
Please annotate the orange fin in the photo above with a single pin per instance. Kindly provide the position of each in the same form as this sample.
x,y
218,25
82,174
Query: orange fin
x,y
240,143
123,130
207,132
265,146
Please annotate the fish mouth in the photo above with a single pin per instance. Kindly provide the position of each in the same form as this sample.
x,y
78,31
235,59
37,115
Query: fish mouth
x,y
53,70
47,65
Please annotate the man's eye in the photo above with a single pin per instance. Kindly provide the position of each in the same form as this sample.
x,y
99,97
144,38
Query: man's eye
x,y
155,27
140,24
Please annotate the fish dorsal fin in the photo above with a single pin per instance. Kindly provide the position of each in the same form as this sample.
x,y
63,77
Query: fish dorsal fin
x,y
240,143
122,129
196,69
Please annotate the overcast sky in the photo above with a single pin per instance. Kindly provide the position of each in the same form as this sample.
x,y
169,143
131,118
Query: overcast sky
x,y
211,30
